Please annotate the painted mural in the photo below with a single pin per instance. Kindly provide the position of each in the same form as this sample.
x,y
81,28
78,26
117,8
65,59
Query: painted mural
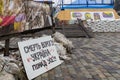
x,y
88,16
107,14
93,16
77,15
96,16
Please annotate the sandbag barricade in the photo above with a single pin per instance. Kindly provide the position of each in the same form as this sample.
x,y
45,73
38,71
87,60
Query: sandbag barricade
x,y
21,15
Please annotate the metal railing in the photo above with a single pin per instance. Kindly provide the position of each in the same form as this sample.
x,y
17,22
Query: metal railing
x,y
87,3
83,29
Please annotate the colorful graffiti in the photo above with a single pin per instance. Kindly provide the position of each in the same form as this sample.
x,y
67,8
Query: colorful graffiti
x,y
88,16
97,16
107,14
77,15
93,15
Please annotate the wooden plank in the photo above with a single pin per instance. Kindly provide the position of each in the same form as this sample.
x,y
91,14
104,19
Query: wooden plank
x,y
7,37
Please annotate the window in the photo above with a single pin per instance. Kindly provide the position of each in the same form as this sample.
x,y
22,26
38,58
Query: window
x,y
91,1
107,1
98,1
67,1
82,1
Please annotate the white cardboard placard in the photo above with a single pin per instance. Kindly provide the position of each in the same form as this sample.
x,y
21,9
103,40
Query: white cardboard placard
x,y
39,56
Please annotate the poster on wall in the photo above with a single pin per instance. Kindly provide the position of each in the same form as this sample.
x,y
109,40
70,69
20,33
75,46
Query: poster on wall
x,y
39,56
88,16
75,15
95,16
81,15
107,16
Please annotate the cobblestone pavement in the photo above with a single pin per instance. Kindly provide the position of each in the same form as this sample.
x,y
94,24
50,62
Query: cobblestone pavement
x,y
93,59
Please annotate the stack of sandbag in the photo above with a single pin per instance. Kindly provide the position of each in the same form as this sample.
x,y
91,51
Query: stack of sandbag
x,y
60,38
105,25
63,45
11,68
1,45
38,15
62,52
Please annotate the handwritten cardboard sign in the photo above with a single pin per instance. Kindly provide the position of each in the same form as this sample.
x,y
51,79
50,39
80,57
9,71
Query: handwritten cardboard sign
x,y
39,56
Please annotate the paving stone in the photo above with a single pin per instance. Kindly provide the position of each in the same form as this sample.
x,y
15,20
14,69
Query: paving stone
x,y
118,71
118,62
58,78
88,67
71,70
111,78
44,76
112,71
83,78
58,72
107,74
116,75
90,79
37,78
96,77
88,76
51,75
118,78
74,77
104,79
67,78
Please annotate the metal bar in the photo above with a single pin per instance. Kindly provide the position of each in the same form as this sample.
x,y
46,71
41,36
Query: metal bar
x,y
53,23
87,3
6,51
62,4
102,1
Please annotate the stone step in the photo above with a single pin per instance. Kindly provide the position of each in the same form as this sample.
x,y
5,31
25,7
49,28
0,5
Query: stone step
x,y
74,31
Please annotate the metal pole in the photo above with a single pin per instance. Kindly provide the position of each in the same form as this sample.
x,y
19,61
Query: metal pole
x,y
53,23
62,5
87,3
6,51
